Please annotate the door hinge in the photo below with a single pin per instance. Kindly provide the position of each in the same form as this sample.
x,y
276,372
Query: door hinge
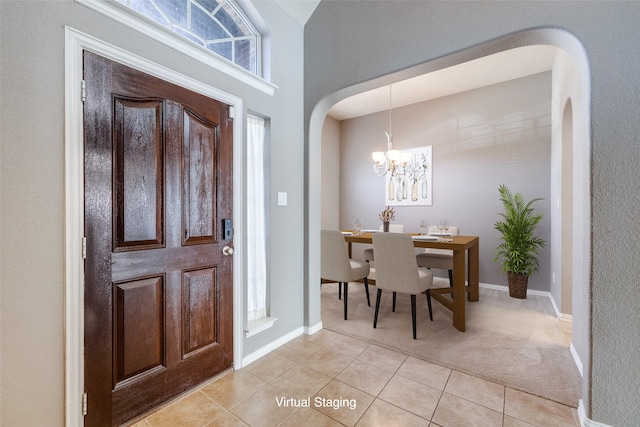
x,y
84,403
232,112
84,247
83,90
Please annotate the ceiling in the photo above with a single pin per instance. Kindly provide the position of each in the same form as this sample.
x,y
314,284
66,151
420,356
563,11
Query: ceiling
x,y
500,67
492,69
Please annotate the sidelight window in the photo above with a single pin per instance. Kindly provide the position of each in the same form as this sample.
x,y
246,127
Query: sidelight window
x,y
256,222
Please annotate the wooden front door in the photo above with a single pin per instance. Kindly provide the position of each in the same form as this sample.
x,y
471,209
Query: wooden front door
x,y
158,288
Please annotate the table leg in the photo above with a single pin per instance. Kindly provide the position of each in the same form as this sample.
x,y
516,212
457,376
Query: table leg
x,y
474,277
458,290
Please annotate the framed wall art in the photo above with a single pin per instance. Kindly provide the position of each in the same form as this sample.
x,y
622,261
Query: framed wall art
x,y
411,184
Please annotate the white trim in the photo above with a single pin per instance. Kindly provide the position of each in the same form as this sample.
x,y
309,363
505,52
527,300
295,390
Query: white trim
x,y
492,286
310,330
250,358
258,326
73,236
263,351
582,413
586,422
576,359
560,316
506,289
75,43
172,40
530,292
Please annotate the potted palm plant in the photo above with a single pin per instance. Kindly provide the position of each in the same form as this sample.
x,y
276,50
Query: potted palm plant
x,y
518,248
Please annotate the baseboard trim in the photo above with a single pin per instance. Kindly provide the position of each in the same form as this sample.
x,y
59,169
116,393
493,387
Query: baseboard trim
x,y
576,359
263,351
506,289
547,294
561,316
310,330
586,422
492,286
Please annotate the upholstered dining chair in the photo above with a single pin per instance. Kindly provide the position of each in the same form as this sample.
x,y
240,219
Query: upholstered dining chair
x,y
393,228
438,258
397,271
336,266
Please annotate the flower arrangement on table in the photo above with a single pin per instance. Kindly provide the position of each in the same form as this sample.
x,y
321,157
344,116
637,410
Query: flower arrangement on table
x,y
387,215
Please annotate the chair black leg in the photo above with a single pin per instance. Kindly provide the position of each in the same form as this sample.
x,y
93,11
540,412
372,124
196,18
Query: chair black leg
x,y
429,304
366,289
451,278
375,316
339,290
394,302
413,314
346,296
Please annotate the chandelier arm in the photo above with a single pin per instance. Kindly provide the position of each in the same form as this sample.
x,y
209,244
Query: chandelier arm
x,y
378,172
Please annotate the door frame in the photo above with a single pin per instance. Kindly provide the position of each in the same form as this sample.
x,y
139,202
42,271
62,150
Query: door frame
x,y
75,43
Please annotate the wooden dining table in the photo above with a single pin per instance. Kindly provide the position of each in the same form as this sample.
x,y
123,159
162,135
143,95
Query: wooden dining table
x,y
465,251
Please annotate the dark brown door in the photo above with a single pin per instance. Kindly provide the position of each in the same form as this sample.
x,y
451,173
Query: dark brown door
x,y
158,289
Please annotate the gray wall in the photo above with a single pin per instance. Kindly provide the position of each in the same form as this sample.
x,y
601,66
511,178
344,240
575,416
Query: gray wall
x,y
373,43
499,134
32,187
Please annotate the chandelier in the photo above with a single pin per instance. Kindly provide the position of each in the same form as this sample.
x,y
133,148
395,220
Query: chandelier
x,y
402,170
392,162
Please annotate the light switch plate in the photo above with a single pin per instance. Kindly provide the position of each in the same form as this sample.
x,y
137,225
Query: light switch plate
x,y
282,198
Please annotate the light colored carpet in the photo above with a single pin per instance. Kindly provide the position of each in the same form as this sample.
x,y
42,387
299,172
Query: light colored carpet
x,y
515,343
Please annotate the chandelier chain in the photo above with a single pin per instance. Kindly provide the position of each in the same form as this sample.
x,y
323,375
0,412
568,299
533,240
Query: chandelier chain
x,y
390,108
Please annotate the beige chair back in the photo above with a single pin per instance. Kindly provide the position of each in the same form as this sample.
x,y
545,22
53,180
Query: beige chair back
x,y
396,265
334,261
393,228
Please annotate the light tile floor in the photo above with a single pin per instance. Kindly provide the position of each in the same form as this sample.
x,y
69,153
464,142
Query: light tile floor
x,y
328,379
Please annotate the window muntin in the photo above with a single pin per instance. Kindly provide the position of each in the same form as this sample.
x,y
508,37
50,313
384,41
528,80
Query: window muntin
x,y
217,25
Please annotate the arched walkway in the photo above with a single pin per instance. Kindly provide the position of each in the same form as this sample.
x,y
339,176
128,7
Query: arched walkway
x,y
579,252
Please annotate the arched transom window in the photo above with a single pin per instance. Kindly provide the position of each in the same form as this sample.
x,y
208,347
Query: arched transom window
x,y
218,25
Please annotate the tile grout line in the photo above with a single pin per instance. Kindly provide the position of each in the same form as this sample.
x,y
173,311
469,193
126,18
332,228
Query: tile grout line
x,y
352,356
504,404
441,394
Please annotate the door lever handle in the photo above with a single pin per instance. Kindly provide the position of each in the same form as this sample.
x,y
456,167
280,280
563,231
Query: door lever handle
x,y
227,250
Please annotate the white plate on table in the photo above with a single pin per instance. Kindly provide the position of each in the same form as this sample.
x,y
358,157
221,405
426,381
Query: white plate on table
x,y
347,233
369,231
428,237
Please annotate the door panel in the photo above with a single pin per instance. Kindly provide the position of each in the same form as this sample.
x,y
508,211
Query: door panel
x,y
199,180
138,312
138,173
158,292
199,310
